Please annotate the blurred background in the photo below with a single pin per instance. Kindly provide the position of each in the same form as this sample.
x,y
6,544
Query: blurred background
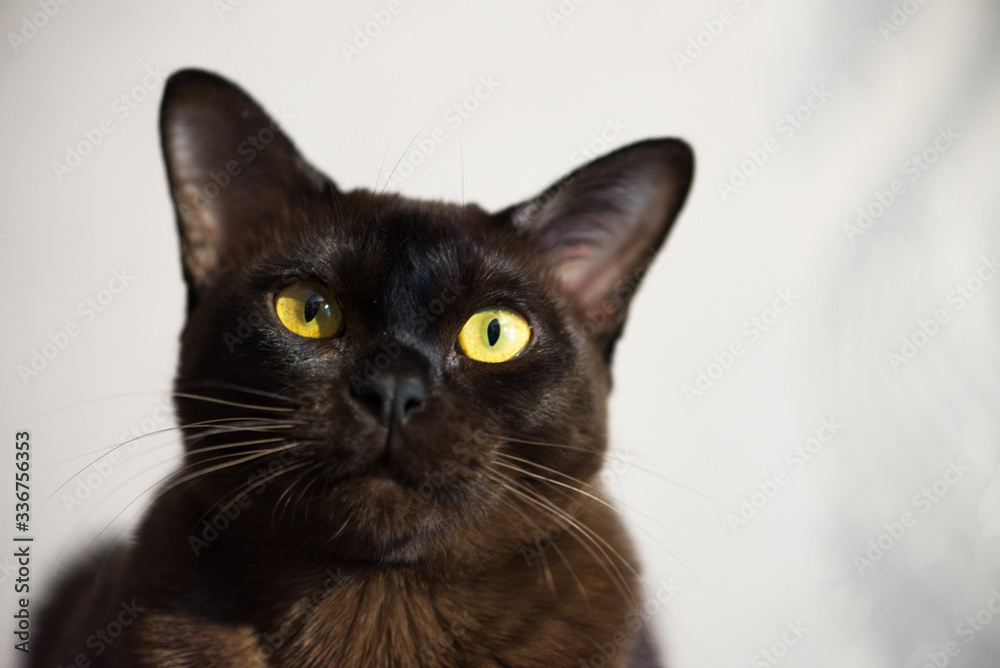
x,y
805,421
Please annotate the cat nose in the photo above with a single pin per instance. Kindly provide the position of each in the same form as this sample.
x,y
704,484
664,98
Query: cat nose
x,y
394,392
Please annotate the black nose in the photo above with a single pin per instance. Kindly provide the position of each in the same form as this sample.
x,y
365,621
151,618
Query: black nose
x,y
391,389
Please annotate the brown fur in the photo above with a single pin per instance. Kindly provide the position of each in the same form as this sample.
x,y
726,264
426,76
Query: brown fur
x,y
382,538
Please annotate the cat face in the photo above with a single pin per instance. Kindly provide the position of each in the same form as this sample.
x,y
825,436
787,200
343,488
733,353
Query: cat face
x,y
383,378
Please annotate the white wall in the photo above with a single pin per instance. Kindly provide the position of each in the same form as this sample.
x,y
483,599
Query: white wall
x,y
889,94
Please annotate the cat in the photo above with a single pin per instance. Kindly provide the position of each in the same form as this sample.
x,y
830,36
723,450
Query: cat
x,y
394,414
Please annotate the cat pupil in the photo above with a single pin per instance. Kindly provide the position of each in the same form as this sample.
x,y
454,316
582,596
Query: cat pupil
x,y
493,331
312,306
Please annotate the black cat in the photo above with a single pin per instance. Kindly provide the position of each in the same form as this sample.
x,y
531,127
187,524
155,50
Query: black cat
x,y
386,405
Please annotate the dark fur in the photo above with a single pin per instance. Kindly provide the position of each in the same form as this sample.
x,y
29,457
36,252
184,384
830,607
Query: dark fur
x,y
323,566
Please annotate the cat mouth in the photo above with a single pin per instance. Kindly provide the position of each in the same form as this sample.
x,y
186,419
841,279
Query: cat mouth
x,y
387,470
382,474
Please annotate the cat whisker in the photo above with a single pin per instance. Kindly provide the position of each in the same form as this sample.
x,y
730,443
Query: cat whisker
x,y
246,456
595,538
162,393
216,400
224,446
544,563
378,177
192,465
240,388
302,493
273,423
244,489
107,397
276,425
562,446
284,496
614,456
214,428
111,493
304,490
542,532
630,567
326,483
557,509
543,478
591,487
581,530
401,156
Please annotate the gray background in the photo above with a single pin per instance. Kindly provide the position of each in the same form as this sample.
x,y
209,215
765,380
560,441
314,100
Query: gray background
x,y
562,82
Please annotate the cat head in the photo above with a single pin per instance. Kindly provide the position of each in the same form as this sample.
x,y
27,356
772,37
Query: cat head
x,y
380,377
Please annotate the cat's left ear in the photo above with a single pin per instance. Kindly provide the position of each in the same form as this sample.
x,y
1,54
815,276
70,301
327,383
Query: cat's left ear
x,y
234,175
601,226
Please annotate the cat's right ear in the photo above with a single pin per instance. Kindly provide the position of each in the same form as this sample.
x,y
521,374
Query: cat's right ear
x,y
599,227
232,172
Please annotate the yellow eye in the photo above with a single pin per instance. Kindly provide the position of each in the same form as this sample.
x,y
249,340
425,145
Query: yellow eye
x,y
308,309
494,335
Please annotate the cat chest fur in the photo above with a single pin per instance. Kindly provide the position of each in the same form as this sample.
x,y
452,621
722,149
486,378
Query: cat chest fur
x,y
392,398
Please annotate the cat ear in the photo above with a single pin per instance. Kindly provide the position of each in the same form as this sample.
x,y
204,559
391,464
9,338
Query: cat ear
x,y
232,172
601,226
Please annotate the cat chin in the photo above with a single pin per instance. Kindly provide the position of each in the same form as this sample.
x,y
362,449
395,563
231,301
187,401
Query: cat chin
x,y
375,516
